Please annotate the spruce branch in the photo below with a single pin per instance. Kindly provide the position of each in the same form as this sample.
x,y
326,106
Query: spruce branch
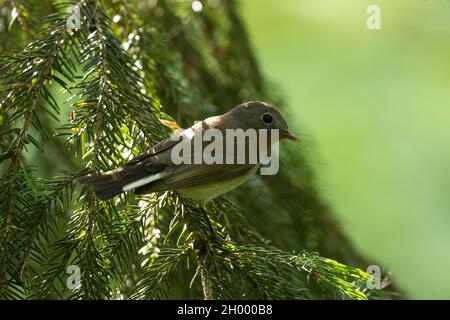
x,y
134,79
328,271
112,99
157,275
44,220
24,77
21,13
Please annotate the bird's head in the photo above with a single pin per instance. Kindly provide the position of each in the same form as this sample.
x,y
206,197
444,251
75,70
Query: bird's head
x,y
261,115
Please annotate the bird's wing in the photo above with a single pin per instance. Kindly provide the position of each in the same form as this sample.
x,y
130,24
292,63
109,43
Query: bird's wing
x,y
143,167
154,151
193,175
160,154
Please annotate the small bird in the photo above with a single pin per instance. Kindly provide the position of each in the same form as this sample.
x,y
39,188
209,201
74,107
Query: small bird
x,y
155,170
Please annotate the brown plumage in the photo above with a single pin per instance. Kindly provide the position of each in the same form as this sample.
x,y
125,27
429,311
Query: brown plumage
x,y
155,170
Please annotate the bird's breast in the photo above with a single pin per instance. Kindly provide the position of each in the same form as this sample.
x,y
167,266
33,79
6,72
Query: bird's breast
x,y
212,190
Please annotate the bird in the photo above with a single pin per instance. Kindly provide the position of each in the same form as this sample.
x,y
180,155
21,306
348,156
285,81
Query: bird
x,y
155,169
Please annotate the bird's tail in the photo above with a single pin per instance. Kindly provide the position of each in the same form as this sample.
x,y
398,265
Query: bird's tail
x,y
112,183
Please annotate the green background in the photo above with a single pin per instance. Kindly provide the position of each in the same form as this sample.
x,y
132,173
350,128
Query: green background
x,y
373,110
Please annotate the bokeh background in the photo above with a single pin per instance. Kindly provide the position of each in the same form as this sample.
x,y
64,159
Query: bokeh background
x,y
373,107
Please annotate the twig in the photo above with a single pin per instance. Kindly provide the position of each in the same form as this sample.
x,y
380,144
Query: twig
x,y
206,280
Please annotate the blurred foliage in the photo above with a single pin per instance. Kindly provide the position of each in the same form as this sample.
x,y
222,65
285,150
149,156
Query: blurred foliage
x,y
89,99
375,108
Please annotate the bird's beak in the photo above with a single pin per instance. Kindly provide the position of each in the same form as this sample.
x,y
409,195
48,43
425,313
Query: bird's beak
x,y
285,134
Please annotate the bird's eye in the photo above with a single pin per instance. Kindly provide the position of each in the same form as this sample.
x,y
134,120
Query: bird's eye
x,y
267,118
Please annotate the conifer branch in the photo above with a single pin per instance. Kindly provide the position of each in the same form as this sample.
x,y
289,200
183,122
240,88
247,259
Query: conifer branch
x,y
24,78
134,79
21,16
206,281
